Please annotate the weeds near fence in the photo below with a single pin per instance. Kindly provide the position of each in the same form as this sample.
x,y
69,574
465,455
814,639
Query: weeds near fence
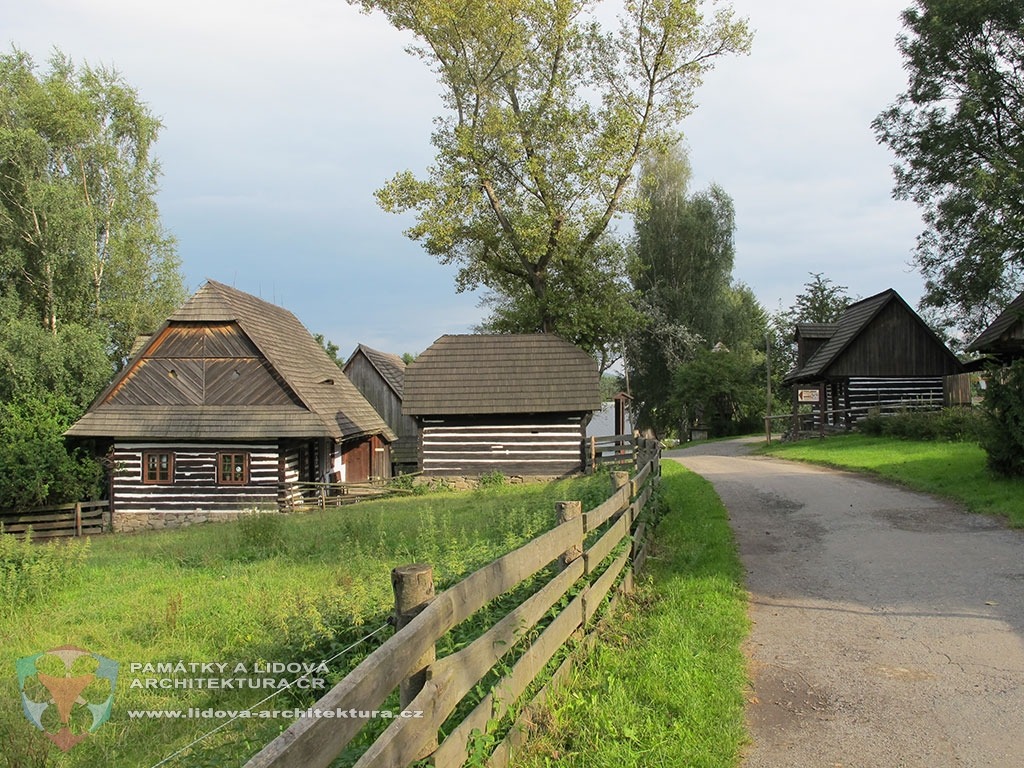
x,y
30,572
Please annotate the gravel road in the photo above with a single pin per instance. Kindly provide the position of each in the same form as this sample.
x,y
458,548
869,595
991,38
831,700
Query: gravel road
x,y
887,626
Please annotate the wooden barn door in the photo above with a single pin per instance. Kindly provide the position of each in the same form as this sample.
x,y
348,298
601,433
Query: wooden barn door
x,y
357,462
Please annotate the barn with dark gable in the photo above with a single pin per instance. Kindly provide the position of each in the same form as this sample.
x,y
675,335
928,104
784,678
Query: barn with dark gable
x,y
227,407
879,355
1004,338
380,377
515,404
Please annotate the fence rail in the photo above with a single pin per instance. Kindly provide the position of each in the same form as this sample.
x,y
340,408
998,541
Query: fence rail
x,y
83,518
596,551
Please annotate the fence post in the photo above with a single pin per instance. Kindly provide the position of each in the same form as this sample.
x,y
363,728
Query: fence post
x,y
619,479
413,586
568,510
78,518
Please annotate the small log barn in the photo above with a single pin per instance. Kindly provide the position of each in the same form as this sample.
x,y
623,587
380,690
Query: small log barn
x,y
516,403
380,377
1004,338
227,407
879,355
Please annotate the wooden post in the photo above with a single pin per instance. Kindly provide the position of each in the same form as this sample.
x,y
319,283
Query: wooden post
x,y
413,586
78,518
619,479
593,454
567,510
822,407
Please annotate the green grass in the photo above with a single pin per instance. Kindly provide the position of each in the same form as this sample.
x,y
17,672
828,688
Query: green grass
x,y
280,589
664,686
954,470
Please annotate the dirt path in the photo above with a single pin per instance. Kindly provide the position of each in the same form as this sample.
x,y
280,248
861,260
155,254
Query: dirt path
x,y
888,626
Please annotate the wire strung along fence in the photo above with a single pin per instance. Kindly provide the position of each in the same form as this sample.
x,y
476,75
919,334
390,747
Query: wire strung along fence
x,y
82,518
582,564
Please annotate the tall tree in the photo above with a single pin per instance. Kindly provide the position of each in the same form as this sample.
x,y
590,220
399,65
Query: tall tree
x,y
821,301
547,116
958,132
80,234
683,280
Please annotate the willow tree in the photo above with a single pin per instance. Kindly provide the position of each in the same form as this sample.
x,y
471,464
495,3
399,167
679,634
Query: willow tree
x,y
547,115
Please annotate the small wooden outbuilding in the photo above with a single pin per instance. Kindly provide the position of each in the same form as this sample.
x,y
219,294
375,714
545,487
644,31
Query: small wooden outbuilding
x,y
515,404
879,355
227,407
1004,338
380,377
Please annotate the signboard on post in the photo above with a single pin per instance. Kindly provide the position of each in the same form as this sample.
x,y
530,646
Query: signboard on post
x,y
808,396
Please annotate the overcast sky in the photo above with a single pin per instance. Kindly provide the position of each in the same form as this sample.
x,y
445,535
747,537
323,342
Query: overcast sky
x,y
281,117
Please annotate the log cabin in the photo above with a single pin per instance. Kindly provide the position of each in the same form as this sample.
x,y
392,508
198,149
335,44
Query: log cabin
x,y
1003,340
517,404
226,408
380,377
879,355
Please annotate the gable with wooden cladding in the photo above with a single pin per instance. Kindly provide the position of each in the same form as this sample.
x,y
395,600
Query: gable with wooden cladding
x,y
202,364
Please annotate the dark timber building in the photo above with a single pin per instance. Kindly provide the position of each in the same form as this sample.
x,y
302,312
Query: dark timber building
x,y
380,377
880,355
516,404
1004,338
226,407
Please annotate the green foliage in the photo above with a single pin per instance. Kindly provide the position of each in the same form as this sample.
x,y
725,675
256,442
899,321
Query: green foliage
x,y
29,572
191,595
950,424
959,139
548,116
36,468
495,479
1003,441
80,235
683,279
665,683
719,390
821,301
260,535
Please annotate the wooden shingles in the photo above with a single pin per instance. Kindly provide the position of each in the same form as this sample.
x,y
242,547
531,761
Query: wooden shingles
x,y
227,364
1005,334
481,374
879,336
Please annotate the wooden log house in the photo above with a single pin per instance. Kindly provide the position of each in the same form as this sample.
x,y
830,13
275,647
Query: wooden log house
x,y
515,403
380,377
227,407
1003,340
880,355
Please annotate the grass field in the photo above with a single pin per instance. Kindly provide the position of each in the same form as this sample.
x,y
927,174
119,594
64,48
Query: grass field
x,y
664,687
269,589
954,470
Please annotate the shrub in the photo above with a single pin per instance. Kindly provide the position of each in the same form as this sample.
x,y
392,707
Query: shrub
x,y
260,535
30,571
949,425
1003,439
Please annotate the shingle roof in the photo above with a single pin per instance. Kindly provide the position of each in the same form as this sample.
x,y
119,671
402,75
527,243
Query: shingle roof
x,y
854,320
992,338
331,406
390,367
815,330
504,373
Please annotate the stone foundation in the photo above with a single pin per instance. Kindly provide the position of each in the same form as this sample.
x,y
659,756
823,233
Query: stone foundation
x,y
137,522
471,483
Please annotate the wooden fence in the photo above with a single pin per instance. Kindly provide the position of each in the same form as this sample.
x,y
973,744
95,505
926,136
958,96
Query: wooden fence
x,y
613,451
83,518
592,554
